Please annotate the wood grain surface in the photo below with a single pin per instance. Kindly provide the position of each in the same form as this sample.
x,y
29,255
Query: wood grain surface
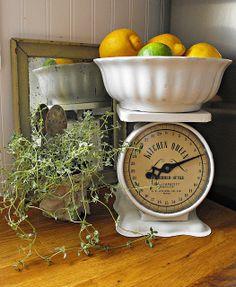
x,y
174,262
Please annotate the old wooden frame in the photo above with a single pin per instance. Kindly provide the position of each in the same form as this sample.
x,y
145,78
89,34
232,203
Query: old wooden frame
x,y
21,50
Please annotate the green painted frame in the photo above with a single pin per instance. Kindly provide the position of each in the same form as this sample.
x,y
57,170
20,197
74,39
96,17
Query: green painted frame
x,y
21,50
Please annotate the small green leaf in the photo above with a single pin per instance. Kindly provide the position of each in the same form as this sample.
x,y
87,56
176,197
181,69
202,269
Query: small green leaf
x,y
49,62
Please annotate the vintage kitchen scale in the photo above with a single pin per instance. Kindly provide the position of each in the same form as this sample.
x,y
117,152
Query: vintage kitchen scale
x,y
168,168
164,175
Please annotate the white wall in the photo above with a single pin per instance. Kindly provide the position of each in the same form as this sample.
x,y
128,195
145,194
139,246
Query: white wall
x,y
73,20
212,21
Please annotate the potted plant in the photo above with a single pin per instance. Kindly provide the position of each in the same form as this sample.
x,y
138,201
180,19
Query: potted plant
x,y
59,173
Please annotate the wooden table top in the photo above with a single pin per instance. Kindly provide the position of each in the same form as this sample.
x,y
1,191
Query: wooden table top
x,y
174,262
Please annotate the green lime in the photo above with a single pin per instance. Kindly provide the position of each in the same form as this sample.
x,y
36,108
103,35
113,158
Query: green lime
x,y
155,49
49,62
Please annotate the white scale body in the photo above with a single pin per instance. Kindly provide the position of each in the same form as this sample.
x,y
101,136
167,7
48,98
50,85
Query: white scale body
x,y
135,219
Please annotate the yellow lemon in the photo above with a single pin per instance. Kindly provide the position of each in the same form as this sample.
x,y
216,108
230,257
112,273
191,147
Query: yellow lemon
x,y
60,61
203,50
120,42
171,41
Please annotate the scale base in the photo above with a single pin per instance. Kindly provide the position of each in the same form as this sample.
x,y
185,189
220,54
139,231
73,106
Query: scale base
x,y
131,224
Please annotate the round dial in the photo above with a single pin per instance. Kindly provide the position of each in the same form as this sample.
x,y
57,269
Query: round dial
x,y
167,168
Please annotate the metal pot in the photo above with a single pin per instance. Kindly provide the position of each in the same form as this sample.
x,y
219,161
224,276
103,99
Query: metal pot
x,y
71,83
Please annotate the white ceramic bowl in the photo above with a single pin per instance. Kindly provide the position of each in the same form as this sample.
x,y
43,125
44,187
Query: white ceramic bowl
x,y
162,84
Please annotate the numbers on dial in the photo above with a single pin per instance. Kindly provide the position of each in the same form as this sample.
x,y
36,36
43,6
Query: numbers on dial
x,y
171,169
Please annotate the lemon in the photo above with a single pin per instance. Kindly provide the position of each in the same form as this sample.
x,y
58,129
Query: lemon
x,y
171,41
60,61
120,42
203,50
155,49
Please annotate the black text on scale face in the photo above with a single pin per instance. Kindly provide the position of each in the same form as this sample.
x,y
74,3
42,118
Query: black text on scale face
x,y
170,171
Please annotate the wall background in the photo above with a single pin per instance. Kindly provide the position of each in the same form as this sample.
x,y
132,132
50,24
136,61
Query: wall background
x,y
71,20
212,21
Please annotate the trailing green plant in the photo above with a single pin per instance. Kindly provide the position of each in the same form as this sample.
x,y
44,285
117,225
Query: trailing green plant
x,y
42,164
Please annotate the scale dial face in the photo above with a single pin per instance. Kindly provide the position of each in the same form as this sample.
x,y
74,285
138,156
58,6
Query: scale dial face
x,y
167,168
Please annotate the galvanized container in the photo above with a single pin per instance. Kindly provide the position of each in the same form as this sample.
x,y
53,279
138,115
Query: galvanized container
x,y
70,84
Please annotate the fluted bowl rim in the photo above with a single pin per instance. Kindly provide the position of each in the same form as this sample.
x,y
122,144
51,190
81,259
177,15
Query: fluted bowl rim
x,y
159,58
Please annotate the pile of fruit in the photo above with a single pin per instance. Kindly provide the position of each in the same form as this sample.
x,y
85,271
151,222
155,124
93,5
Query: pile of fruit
x,y
57,61
125,42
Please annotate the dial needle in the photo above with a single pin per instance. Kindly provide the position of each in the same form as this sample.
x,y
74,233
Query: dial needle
x,y
167,167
